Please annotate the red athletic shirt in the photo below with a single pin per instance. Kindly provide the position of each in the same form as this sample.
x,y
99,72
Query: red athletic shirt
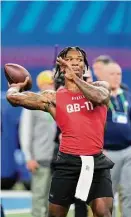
x,y
81,124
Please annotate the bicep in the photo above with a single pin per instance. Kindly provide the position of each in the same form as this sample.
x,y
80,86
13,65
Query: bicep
x,y
103,88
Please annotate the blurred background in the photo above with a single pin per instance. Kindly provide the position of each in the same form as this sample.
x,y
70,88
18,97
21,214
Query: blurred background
x,y
33,32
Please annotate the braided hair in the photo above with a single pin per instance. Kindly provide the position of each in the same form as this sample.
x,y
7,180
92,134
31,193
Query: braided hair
x,y
63,54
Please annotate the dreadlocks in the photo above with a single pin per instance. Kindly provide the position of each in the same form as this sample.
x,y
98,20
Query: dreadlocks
x,y
63,54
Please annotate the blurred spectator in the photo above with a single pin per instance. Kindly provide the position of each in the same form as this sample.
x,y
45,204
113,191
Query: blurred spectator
x,y
118,135
98,65
37,133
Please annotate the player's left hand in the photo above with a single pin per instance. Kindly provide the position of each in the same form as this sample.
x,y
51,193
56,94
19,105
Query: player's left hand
x,y
69,73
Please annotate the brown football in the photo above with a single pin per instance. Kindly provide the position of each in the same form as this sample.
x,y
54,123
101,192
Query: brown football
x,y
16,74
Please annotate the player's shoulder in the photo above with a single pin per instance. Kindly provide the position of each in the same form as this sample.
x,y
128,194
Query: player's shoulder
x,y
61,90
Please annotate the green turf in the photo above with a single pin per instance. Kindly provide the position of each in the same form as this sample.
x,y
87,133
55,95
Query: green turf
x,y
70,214
18,215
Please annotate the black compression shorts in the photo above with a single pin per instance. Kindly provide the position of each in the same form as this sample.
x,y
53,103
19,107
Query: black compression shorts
x,y
66,174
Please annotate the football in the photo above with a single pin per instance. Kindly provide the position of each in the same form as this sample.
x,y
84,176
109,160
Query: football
x,y
16,74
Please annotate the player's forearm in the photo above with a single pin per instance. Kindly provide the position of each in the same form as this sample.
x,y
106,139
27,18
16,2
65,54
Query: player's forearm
x,y
27,100
91,92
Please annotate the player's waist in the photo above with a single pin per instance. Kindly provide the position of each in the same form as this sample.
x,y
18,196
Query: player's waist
x,y
100,160
76,156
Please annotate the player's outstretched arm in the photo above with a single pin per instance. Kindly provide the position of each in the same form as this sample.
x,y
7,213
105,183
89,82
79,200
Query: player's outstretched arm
x,y
30,100
97,92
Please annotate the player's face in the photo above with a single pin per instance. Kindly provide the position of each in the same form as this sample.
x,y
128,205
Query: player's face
x,y
76,60
113,75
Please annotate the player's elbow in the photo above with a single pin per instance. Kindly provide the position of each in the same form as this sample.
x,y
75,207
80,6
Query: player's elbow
x,y
103,99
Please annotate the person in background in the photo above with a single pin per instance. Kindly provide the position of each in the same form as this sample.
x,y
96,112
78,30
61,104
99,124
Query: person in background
x,y
98,66
117,143
37,131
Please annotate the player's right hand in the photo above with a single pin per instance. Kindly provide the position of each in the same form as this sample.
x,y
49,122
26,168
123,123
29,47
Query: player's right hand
x,y
32,165
21,85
